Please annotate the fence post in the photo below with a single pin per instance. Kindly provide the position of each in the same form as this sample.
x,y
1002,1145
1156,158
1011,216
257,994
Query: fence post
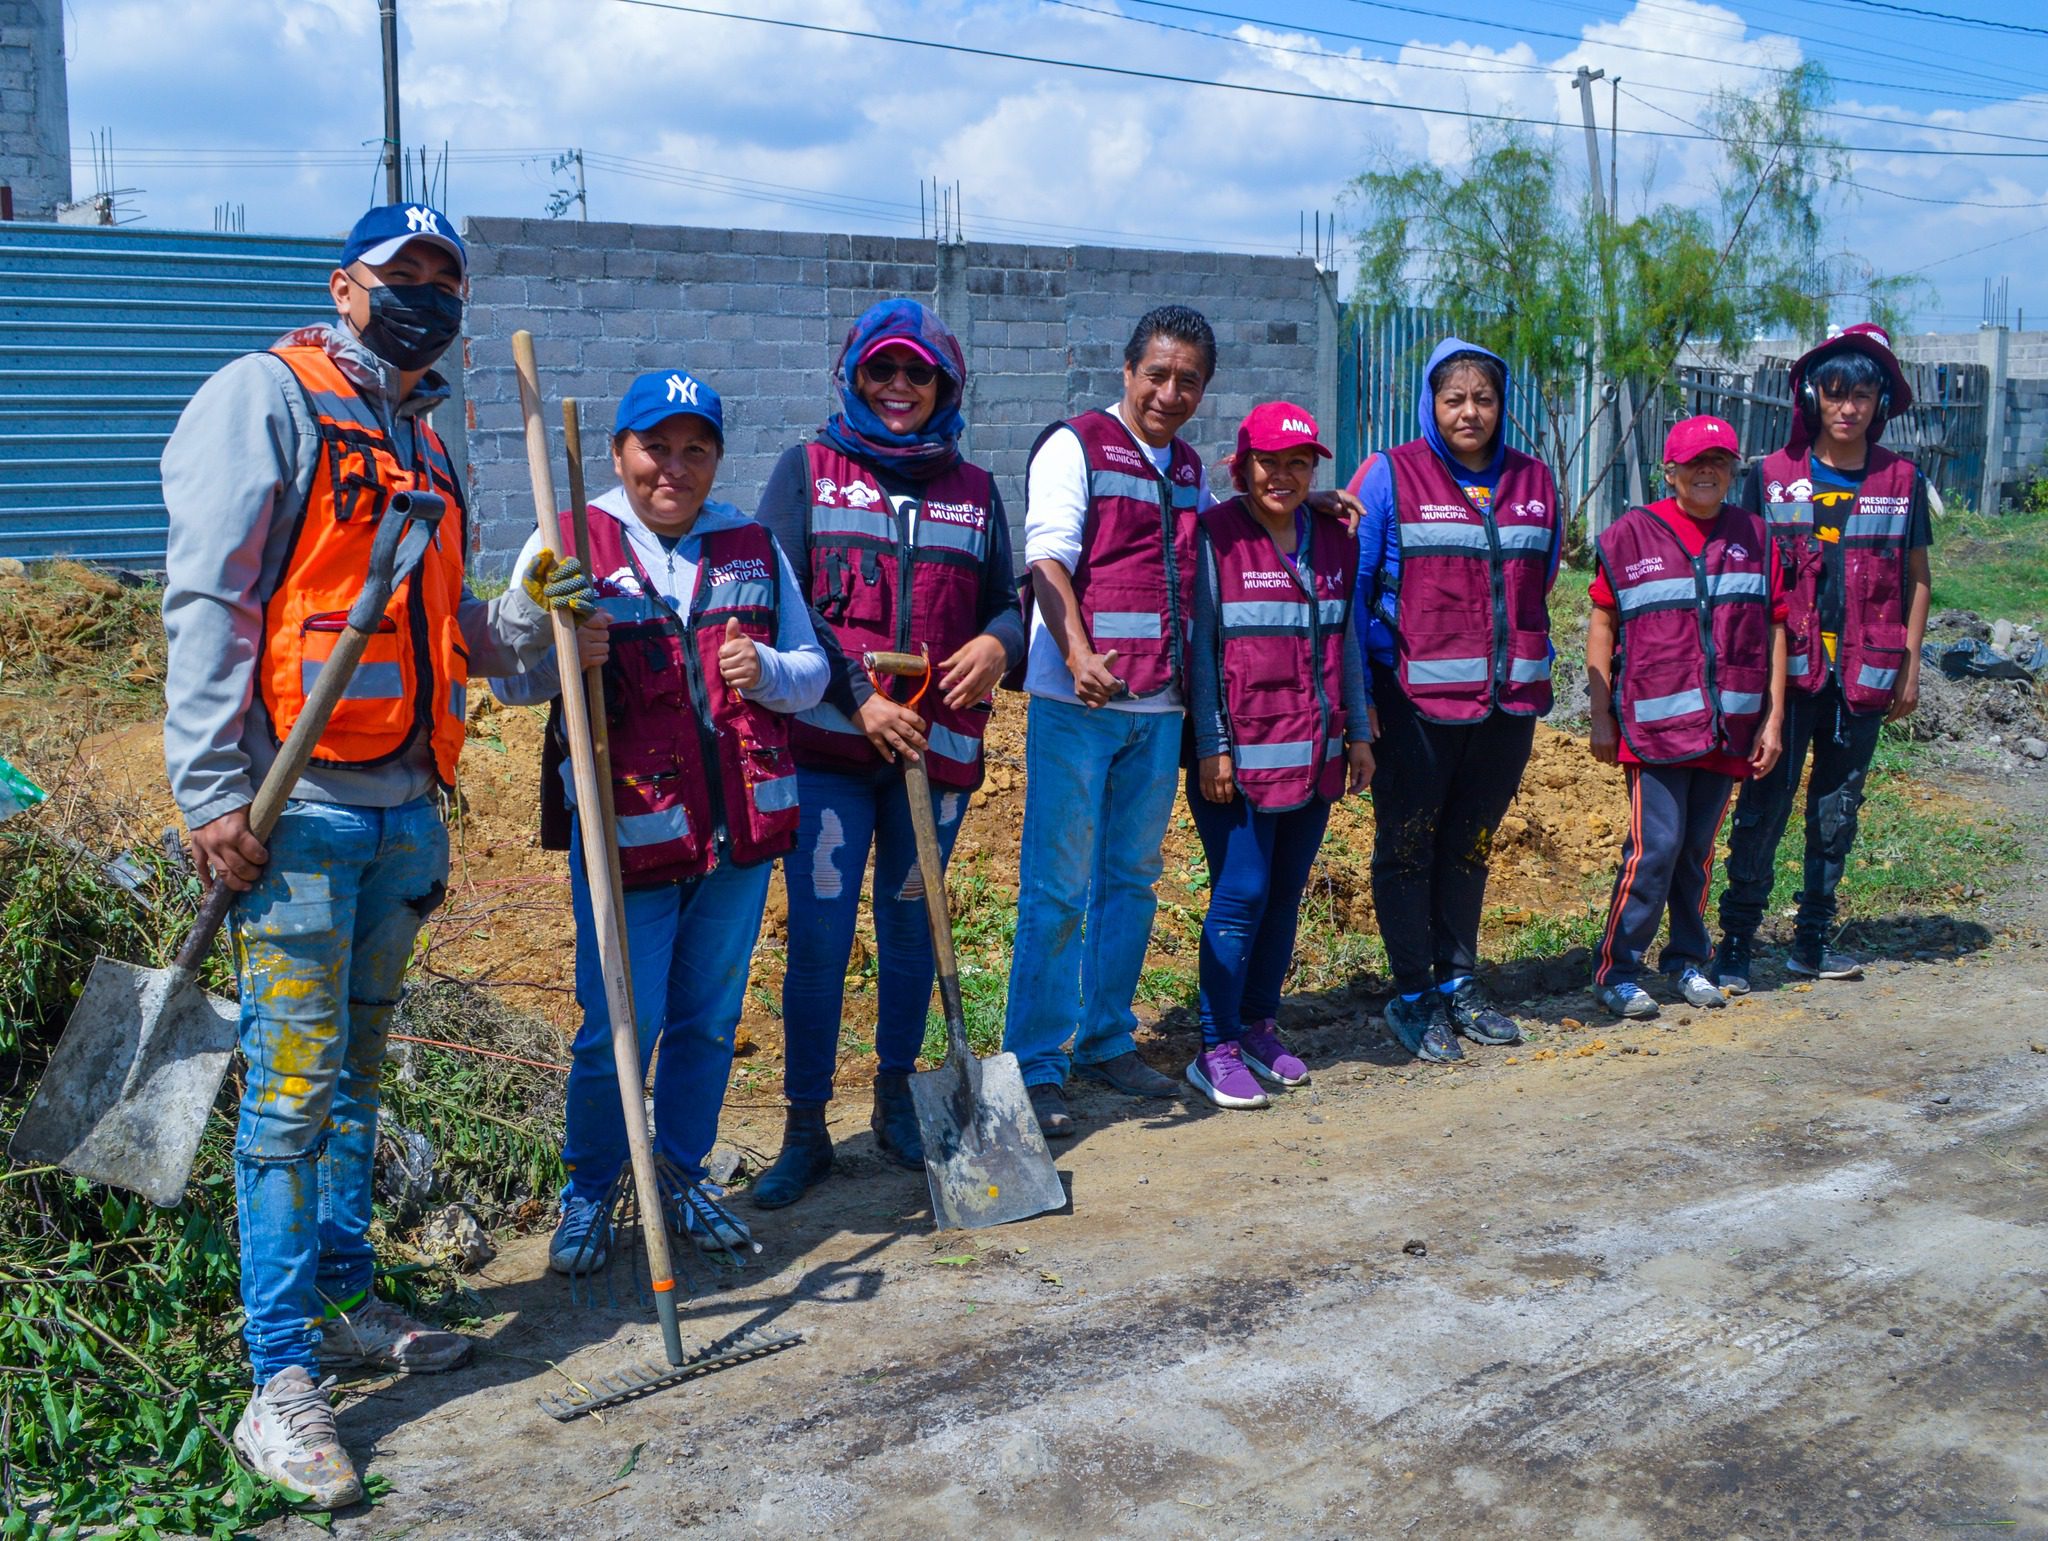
x,y
1993,343
1329,338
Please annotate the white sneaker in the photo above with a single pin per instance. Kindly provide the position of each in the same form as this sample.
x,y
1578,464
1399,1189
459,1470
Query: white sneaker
x,y
376,1335
287,1434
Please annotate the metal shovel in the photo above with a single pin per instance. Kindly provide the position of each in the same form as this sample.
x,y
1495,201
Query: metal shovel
x,y
984,1154
129,1085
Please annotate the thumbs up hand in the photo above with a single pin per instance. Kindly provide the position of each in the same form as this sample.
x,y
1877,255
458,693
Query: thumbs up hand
x,y
739,661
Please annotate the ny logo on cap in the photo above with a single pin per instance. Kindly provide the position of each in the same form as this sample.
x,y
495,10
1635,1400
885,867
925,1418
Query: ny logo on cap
x,y
421,221
682,388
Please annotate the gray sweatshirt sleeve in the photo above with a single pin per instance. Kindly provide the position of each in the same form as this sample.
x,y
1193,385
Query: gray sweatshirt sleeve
x,y
235,472
1206,713
1357,692
793,673
534,683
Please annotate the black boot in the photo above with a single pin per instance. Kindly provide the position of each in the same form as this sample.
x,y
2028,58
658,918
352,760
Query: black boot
x,y
895,1122
805,1160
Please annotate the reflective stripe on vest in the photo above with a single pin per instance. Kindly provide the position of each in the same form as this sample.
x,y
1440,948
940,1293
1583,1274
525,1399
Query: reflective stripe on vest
x,y
1871,678
370,682
1449,671
876,523
1664,708
1125,624
644,829
1528,670
1659,591
1885,527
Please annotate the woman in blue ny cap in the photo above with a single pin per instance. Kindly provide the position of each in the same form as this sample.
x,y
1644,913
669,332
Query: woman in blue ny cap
x,y
712,650
905,548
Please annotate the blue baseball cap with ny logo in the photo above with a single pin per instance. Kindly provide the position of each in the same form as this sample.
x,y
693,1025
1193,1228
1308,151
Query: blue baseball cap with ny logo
x,y
666,393
381,233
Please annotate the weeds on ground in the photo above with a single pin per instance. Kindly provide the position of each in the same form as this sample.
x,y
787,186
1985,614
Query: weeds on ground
x,y
1992,566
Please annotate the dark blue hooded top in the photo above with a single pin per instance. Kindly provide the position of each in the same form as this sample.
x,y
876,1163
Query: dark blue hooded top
x,y
1379,532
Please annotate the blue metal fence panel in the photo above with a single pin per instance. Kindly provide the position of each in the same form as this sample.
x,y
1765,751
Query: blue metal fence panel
x,y
104,336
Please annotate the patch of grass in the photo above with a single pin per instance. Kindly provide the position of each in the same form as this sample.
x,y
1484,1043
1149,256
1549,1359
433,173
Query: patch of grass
x,y
1992,566
1168,985
984,927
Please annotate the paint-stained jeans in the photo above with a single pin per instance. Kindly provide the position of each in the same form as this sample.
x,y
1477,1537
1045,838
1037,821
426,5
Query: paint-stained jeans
x,y
842,814
321,945
690,944
1100,786
1842,744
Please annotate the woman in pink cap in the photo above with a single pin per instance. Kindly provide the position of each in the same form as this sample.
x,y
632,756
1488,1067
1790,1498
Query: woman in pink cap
x,y
1685,664
905,548
1278,706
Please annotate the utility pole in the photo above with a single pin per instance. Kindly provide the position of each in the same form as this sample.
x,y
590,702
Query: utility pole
x,y
1623,399
559,201
394,175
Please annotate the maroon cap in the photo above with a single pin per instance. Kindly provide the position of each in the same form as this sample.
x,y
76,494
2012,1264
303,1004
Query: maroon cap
x,y
1279,425
1693,437
909,344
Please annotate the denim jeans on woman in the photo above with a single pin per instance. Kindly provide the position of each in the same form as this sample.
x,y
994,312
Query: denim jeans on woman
x,y
690,944
842,814
1099,787
321,944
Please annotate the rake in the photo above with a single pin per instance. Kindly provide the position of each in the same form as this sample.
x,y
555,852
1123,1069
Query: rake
x,y
583,717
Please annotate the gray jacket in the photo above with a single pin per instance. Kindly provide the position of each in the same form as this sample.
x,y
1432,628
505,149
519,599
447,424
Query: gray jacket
x,y
236,474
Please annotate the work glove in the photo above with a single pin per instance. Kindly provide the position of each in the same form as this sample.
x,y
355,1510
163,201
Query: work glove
x,y
555,584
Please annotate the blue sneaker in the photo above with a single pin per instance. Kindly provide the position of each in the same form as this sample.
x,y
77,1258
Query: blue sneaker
x,y
1423,1027
583,1241
694,1211
1697,989
1625,999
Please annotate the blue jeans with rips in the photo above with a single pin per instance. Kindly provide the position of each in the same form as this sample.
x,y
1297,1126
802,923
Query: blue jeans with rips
x,y
689,944
842,813
321,944
1099,787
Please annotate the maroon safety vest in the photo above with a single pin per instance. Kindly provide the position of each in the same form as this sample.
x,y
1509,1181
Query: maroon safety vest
x,y
1872,647
691,757
1693,666
880,592
1473,607
1283,653
1135,582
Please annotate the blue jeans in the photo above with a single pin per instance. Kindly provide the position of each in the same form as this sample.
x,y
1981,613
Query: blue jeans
x,y
842,813
689,944
321,944
1258,866
1099,787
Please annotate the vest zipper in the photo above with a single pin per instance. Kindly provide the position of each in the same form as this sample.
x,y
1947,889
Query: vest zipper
x,y
1497,585
906,537
1703,604
1304,573
699,688
1175,638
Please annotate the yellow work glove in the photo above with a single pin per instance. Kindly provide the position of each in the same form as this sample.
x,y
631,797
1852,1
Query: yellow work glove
x,y
554,584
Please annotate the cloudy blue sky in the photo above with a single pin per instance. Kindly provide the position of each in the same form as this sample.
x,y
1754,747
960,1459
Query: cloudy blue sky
x,y
692,118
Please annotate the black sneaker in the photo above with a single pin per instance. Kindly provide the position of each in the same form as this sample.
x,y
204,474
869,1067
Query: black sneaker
x,y
1423,1027
1475,1017
1050,1104
1814,959
1732,963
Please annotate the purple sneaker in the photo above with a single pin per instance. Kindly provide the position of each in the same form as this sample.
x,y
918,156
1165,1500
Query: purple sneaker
x,y
1219,1075
1267,1056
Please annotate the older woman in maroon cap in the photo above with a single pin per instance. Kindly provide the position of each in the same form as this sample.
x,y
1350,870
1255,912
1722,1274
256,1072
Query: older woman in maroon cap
x,y
1279,709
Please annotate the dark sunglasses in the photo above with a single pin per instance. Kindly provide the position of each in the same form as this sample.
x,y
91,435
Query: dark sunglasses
x,y
880,371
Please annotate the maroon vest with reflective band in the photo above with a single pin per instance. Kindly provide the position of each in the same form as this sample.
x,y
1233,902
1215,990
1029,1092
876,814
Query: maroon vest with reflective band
x,y
1283,654
1872,647
690,756
1135,582
880,595
1693,667
1473,606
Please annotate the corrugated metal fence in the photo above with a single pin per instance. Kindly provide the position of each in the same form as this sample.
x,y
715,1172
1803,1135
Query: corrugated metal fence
x,y
104,336
1379,370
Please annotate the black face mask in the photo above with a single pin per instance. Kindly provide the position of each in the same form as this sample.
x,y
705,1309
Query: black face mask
x,y
411,325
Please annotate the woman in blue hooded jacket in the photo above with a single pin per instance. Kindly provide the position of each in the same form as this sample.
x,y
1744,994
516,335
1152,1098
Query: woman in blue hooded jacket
x,y
1458,549
904,548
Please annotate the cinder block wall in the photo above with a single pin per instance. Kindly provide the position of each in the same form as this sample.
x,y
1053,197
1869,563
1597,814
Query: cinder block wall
x,y
35,123
760,314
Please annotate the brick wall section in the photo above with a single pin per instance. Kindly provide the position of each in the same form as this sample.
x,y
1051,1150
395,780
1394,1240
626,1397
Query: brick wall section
x,y
35,124
760,315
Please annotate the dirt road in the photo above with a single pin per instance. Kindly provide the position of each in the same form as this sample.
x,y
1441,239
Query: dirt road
x,y
1776,1270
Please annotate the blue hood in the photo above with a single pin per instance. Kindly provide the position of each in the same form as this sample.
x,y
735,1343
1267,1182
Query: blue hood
x,y
1425,407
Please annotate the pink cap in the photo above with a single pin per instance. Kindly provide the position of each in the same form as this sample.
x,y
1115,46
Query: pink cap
x,y
909,344
1279,425
1693,437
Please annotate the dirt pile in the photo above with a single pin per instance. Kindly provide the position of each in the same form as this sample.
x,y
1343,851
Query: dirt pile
x,y
1986,712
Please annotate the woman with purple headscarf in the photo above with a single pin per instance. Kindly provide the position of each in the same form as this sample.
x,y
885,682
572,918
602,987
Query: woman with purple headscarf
x,y
904,548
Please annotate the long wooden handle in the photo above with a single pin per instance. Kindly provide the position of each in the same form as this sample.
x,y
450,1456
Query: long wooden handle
x,y
606,900
918,788
593,677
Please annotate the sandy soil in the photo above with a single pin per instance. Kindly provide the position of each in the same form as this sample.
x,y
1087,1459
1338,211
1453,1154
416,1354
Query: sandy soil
x,y
1776,1270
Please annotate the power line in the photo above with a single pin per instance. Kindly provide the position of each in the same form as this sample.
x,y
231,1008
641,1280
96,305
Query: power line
x,y
1965,21
1128,73
1973,250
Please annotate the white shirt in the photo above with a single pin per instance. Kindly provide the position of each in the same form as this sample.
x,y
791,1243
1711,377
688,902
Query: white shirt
x,y
1055,515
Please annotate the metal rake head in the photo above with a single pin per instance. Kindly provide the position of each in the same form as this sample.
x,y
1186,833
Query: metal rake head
x,y
644,1379
609,1260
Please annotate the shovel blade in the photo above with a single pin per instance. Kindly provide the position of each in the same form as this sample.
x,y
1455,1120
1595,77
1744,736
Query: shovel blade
x,y
984,1154
131,1082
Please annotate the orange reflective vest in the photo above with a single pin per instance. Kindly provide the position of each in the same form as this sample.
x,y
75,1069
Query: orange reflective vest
x,y
413,675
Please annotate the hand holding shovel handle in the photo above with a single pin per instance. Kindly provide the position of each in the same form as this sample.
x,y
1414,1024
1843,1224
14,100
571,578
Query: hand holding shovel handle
x,y
606,901
408,523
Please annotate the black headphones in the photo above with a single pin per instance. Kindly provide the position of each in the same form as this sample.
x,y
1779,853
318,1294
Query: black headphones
x,y
1809,403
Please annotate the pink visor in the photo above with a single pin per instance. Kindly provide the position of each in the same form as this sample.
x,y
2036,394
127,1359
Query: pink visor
x,y
908,344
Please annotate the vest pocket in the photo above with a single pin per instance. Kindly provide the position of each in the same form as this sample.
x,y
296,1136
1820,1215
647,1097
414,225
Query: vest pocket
x,y
377,703
1449,661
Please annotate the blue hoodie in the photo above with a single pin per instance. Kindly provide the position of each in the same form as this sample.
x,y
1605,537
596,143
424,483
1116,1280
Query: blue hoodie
x,y
1379,532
